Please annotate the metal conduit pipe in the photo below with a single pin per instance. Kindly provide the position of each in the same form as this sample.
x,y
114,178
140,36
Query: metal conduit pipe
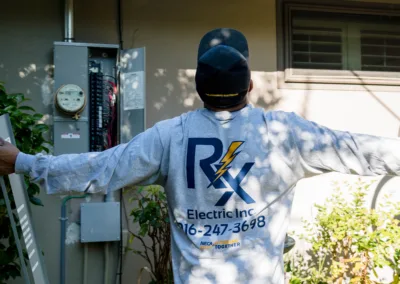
x,y
108,198
63,220
85,263
69,21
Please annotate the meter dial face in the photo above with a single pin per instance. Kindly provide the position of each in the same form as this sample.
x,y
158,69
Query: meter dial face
x,y
70,98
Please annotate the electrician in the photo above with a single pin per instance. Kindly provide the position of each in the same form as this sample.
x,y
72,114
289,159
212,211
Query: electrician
x,y
228,169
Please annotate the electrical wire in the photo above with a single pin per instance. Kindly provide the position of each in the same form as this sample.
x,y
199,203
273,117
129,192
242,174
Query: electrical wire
x,y
114,115
120,237
119,15
121,194
109,76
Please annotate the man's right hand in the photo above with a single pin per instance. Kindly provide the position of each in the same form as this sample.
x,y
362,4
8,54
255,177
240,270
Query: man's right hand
x,y
8,156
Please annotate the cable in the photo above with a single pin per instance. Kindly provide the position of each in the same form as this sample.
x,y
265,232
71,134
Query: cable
x,y
120,243
119,16
111,77
126,218
113,143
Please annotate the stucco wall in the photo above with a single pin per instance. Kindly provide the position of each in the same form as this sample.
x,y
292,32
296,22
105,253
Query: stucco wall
x,y
170,31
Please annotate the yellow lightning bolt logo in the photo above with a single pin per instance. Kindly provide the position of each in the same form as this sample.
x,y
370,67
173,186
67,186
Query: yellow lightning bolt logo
x,y
228,158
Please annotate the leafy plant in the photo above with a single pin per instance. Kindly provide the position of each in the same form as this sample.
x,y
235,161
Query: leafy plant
x,y
29,139
349,241
151,214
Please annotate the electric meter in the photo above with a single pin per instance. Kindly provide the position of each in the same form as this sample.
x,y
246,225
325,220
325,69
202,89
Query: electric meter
x,y
70,99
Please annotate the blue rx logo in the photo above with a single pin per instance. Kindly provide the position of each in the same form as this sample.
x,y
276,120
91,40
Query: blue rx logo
x,y
220,170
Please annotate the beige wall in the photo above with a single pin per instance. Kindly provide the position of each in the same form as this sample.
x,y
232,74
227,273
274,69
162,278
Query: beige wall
x,y
170,31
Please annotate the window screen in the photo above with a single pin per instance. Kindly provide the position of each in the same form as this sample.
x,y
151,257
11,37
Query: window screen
x,y
317,48
380,50
328,40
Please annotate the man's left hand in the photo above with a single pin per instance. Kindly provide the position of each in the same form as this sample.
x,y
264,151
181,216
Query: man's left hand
x,y
8,156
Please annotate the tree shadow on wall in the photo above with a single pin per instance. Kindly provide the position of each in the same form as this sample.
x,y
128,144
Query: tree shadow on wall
x,y
176,91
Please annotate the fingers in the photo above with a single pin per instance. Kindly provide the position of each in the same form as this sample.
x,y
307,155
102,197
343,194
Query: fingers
x,y
4,142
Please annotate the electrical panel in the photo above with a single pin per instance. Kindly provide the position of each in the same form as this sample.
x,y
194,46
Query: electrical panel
x,y
95,74
90,115
103,108
91,70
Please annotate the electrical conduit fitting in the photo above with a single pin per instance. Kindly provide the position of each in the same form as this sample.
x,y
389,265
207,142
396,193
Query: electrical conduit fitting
x,y
63,220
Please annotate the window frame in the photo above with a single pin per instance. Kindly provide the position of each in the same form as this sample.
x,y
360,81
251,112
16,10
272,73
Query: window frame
x,y
318,76
326,24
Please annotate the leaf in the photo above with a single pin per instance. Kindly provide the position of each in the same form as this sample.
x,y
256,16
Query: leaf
x,y
32,187
131,238
295,280
26,108
145,268
355,280
37,116
4,258
10,109
47,150
17,96
41,127
36,201
143,230
14,273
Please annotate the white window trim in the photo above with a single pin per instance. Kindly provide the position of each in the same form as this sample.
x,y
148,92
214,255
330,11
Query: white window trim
x,y
341,77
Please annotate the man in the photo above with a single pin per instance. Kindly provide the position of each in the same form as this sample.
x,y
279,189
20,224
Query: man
x,y
228,170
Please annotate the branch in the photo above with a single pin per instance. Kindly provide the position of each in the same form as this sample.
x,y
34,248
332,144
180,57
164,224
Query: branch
x,y
156,236
154,250
147,258
140,238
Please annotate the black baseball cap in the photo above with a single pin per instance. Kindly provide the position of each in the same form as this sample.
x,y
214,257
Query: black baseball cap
x,y
223,74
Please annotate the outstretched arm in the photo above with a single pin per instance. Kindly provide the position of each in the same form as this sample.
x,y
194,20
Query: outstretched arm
x,y
135,162
325,150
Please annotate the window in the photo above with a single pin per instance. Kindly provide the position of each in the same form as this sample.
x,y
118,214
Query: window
x,y
339,45
317,47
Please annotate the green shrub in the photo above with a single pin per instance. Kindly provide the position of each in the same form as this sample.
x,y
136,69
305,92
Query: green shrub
x,y
349,241
29,139
151,214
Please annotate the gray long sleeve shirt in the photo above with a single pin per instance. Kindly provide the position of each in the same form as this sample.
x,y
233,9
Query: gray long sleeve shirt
x,y
228,177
